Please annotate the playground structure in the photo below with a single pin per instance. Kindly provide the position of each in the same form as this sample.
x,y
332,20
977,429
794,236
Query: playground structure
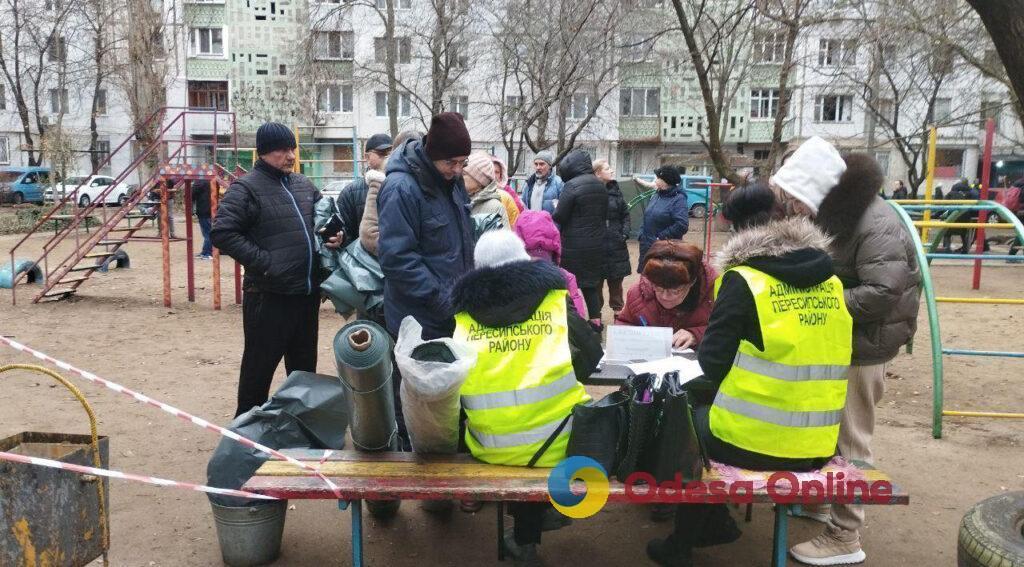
x,y
712,209
955,213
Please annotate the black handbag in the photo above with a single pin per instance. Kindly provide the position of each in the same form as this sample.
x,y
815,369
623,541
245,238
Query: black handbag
x,y
642,411
675,448
599,430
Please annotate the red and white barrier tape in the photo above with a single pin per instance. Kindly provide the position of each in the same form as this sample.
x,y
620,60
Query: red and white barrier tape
x,y
4,456
169,409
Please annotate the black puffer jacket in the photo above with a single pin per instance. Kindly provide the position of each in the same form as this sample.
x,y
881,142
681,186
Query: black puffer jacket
x,y
875,258
616,260
265,221
509,294
582,217
351,202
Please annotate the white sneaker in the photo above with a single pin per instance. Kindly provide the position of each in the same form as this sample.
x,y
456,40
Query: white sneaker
x,y
827,549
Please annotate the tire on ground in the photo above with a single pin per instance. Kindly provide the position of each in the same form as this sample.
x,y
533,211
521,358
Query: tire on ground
x,y
990,533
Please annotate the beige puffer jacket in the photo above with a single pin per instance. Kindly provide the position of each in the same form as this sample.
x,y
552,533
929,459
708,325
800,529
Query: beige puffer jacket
x,y
368,229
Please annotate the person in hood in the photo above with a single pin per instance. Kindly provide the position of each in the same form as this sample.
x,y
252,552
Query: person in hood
x,y
543,242
543,188
582,217
875,259
676,290
616,261
502,179
426,234
667,216
369,226
532,350
352,199
265,222
484,194
778,343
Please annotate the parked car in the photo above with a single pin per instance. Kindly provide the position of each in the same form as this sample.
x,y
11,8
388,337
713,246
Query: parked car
x,y
696,192
23,184
333,188
88,188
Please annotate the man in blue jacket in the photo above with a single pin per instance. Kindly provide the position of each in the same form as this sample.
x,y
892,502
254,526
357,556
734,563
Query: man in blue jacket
x,y
543,188
426,234
265,221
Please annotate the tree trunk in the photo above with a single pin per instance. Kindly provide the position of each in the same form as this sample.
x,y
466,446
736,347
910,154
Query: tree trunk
x,y
1004,20
390,57
777,148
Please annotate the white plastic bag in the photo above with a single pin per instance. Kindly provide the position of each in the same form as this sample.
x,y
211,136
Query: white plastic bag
x,y
430,390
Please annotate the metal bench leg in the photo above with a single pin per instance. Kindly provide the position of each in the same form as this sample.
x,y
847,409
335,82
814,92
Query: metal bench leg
x,y
501,530
780,540
357,529
749,513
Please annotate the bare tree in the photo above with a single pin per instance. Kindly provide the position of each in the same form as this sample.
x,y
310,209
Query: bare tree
x,y
716,35
33,53
1004,20
97,15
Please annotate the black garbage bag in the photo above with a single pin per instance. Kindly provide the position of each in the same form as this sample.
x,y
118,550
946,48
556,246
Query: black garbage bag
x,y
308,411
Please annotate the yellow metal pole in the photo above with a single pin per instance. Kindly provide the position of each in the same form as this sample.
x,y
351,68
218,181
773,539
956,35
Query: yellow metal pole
x,y
984,414
298,154
980,300
929,184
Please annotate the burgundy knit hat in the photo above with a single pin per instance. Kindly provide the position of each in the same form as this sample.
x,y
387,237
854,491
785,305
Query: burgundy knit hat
x,y
447,137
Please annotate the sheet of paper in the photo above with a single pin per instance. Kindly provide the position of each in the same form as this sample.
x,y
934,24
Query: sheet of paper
x,y
688,369
627,344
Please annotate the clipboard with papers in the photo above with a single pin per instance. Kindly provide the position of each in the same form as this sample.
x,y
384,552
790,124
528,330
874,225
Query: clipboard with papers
x,y
638,350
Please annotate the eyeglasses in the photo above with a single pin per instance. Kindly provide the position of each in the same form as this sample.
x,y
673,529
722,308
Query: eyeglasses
x,y
673,291
456,162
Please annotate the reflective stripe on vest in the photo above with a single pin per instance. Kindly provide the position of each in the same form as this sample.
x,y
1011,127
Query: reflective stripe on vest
x,y
535,435
521,387
787,400
520,397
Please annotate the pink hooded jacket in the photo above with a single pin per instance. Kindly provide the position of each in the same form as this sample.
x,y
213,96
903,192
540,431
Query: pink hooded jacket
x,y
543,241
502,181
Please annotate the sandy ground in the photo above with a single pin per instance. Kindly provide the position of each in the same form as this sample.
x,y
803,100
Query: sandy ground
x,y
188,356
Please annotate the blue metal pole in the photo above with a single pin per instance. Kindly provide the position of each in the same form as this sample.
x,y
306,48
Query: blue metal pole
x,y
966,352
780,539
357,533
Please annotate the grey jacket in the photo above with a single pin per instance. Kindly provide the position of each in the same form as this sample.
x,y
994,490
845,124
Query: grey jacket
x,y
488,201
875,259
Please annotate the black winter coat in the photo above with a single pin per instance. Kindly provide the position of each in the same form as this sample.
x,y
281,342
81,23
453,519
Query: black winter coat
x,y
582,217
425,243
616,260
201,198
351,202
265,221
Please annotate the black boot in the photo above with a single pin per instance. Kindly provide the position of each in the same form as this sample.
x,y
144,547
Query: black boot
x,y
718,529
669,553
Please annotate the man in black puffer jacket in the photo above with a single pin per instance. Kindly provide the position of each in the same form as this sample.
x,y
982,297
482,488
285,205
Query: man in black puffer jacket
x,y
265,222
581,215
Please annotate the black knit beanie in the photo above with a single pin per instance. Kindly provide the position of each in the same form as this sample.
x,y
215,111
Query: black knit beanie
x,y
669,174
273,136
447,137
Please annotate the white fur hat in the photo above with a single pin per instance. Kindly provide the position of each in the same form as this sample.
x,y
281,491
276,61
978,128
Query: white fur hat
x,y
811,172
499,247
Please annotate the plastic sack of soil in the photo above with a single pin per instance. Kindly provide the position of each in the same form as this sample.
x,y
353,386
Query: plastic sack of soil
x,y
308,411
323,210
432,374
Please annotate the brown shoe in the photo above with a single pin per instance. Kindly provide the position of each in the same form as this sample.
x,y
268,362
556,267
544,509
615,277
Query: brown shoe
x,y
829,549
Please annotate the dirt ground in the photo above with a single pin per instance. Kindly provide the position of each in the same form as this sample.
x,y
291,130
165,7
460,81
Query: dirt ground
x,y
188,356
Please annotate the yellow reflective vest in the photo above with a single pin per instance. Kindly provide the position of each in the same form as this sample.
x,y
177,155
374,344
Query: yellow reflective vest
x,y
787,400
522,386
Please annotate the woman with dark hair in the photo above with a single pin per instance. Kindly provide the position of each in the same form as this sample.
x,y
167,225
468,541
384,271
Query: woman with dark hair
x,y
676,290
774,355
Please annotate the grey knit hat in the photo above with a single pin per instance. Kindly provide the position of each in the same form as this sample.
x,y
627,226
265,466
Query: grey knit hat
x,y
546,156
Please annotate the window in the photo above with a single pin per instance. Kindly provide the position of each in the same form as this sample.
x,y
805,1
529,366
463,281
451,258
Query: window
x,y
207,42
459,56
883,162
102,153
210,95
460,104
990,108
629,159
399,4
403,49
764,103
640,102
886,111
336,98
514,102
58,101
579,106
100,104
761,155
3,98
58,49
54,4
335,45
837,52
833,108
5,154
769,47
943,111
404,104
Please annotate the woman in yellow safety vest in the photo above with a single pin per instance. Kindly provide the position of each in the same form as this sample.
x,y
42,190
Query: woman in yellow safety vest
x,y
532,350
774,357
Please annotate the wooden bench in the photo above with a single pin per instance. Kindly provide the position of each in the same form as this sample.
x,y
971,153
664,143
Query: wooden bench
x,y
59,220
407,476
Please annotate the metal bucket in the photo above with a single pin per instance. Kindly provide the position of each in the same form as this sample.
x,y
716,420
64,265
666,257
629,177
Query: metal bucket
x,y
250,535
